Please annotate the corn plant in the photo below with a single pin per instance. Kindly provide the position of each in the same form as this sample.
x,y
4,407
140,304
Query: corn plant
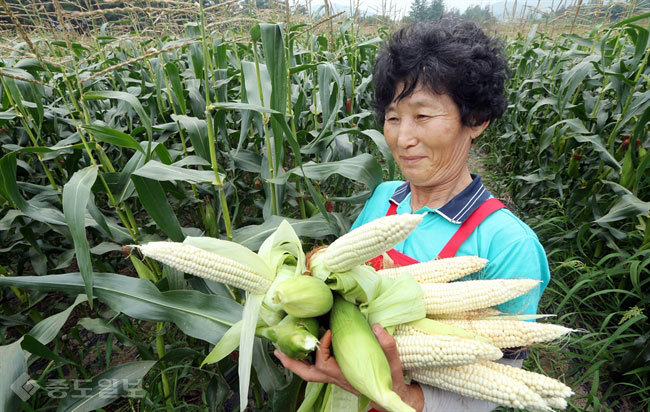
x,y
573,146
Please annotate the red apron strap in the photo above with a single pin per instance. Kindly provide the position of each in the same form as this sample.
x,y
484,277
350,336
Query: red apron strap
x,y
392,209
475,219
399,259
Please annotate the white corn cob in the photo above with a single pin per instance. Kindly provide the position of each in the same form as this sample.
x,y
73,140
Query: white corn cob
x,y
368,241
470,314
472,294
208,265
511,333
556,403
481,382
425,350
546,387
439,270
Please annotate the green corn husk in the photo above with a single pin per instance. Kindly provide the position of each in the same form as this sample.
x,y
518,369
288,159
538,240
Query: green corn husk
x,y
304,297
295,337
399,301
361,358
358,285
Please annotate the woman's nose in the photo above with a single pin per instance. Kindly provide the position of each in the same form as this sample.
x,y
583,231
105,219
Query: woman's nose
x,y
407,136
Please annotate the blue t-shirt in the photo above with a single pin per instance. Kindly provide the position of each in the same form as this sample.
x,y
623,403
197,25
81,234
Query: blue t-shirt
x,y
511,247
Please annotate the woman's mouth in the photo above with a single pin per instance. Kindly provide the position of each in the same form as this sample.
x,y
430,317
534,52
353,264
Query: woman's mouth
x,y
411,159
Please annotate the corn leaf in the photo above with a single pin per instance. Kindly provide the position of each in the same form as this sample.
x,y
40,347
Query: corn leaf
x,y
202,316
75,200
228,343
121,379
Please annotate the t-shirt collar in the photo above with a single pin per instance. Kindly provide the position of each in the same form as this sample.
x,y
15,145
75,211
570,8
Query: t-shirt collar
x,y
460,207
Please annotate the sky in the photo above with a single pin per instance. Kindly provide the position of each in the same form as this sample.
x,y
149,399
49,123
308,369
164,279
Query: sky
x,y
405,5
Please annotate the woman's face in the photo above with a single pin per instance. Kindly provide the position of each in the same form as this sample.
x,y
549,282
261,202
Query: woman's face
x,y
427,138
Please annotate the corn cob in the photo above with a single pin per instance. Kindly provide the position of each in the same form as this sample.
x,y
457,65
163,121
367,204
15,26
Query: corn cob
x,y
455,297
204,264
511,333
368,241
425,350
481,382
304,296
556,403
361,358
470,314
439,270
546,387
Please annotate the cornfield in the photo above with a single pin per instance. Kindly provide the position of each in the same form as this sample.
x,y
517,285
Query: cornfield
x,y
140,129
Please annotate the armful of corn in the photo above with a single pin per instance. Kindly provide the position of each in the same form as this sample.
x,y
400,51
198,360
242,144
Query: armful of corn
x,y
454,350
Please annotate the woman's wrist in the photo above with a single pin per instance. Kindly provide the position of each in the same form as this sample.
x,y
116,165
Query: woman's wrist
x,y
414,397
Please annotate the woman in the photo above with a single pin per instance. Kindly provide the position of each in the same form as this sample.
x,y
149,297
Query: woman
x,y
437,88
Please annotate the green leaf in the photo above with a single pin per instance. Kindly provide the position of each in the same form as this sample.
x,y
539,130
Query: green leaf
x,y
33,346
202,316
108,386
161,172
274,55
8,115
131,100
226,345
251,83
46,330
153,198
379,139
9,183
240,106
315,227
363,168
112,136
628,206
198,133
14,372
176,85
100,327
75,199
599,147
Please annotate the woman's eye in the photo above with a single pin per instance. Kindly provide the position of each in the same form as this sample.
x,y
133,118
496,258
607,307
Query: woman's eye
x,y
422,116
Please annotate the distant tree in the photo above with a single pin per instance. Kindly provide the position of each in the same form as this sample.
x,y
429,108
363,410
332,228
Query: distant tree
x,y
435,10
478,14
419,10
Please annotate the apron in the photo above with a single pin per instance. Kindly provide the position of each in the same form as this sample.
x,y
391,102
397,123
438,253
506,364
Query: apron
x,y
450,249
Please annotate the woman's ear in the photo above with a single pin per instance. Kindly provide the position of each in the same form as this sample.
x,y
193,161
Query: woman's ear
x,y
478,129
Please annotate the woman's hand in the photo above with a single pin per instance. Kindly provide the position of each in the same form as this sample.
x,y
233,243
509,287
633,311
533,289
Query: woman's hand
x,y
327,370
411,394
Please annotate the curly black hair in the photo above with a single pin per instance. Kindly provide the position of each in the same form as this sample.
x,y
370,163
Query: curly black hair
x,y
450,56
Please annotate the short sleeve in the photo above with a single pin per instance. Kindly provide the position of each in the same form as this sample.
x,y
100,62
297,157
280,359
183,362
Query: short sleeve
x,y
520,258
377,205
